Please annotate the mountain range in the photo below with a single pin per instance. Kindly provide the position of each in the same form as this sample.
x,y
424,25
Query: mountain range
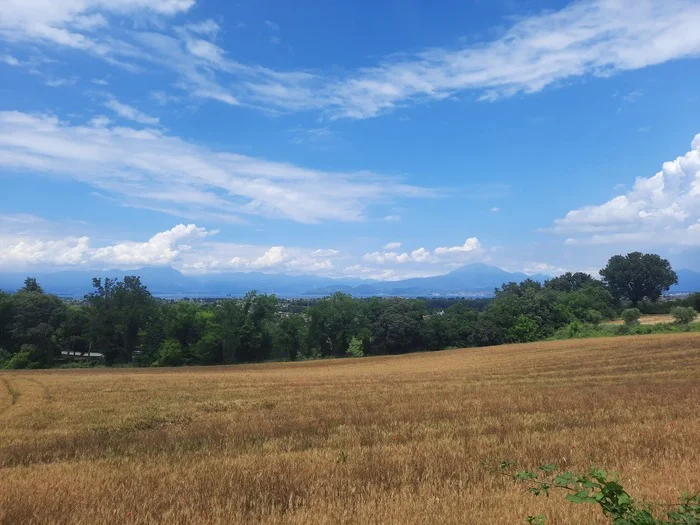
x,y
476,280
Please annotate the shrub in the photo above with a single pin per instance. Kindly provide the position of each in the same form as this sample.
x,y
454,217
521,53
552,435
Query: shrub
x,y
683,314
356,348
171,353
22,360
594,317
631,316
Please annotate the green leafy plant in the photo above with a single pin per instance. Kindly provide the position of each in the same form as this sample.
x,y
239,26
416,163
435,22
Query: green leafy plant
x,y
355,349
598,487
683,314
631,316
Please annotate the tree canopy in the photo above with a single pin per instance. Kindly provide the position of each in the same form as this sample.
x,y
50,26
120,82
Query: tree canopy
x,y
638,276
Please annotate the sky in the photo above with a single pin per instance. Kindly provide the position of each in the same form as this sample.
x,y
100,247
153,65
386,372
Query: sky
x,y
355,139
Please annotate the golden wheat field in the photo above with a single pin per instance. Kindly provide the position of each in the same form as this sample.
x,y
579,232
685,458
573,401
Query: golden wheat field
x,y
397,440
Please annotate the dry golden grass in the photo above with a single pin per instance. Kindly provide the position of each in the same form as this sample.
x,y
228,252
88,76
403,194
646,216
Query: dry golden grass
x,y
648,319
398,440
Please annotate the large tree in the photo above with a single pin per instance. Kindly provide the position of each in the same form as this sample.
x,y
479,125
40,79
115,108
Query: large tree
x,y
637,276
118,311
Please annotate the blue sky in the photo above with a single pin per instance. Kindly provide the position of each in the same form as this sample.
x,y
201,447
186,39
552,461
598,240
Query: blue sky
x,y
365,139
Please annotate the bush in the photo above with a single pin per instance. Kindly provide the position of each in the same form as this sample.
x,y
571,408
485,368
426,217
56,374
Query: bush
x,y
171,354
22,360
631,316
683,314
594,317
356,348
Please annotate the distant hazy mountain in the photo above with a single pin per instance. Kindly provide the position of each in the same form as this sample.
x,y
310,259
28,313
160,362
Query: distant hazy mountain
x,y
469,280
688,281
472,279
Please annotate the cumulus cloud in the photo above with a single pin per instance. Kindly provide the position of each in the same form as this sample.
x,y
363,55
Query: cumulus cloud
x,y
461,253
153,170
161,249
392,246
470,245
661,209
19,250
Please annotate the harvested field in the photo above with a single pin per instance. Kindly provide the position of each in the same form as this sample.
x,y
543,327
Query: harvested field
x,y
648,319
397,440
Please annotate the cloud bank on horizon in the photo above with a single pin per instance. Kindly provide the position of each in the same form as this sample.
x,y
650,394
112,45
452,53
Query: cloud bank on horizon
x,y
130,131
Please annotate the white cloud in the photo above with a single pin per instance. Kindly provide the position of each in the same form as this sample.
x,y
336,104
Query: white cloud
x,y
495,209
9,60
61,21
161,249
661,209
162,98
130,112
392,246
532,268
471,244
30,242
328,252
206,27
60,82
585,38
153,170
25,250
99,81
470,250
386,257
421,255
591,37
100,121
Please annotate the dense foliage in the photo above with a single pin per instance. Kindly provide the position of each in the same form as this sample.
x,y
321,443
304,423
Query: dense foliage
x,y
638,276
121,323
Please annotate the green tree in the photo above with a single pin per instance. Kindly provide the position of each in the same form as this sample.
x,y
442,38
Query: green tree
x,y
637,276
292,336
31,285
683,314
36,317
356,348
245,328
569,282
333,321
398,326
630,316
171,353
119,313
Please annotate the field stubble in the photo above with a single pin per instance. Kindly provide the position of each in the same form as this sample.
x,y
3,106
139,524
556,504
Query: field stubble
x,y
398,440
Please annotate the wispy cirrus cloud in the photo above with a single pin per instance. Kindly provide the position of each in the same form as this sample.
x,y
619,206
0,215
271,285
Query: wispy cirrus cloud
x,y
585,38
150,169
130,113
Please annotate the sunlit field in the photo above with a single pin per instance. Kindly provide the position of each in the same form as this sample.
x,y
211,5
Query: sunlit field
x,y
398,440
648,319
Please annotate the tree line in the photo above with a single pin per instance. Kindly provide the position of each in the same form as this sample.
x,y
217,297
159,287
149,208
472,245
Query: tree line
x,y
122,322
